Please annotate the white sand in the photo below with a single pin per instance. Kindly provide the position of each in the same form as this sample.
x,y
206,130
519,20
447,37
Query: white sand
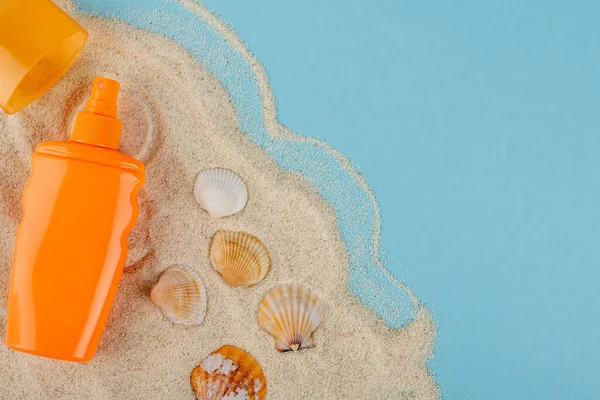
x,y
186,122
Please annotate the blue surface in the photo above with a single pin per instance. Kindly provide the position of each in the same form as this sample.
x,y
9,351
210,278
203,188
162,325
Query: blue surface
x,y
477,125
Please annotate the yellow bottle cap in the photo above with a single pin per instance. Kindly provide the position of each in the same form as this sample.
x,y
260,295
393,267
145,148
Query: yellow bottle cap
x,y
38,43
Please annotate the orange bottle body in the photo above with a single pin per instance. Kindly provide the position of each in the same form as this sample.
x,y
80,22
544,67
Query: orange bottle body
x,y
78,208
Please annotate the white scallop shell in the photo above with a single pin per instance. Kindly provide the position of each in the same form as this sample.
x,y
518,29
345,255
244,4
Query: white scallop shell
x,y
220,192
181,296
291,313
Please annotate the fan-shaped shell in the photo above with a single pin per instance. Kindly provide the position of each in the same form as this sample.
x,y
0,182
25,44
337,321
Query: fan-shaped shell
x,y
239,257
229,373
181,296
220,192
291,313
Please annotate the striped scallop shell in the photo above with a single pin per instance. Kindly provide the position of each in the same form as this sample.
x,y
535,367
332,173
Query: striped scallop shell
x,y
239,257
229,373
181,296
220,192
291,313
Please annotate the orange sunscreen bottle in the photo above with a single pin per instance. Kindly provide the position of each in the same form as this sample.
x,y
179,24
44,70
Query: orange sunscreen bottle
x,y
78,207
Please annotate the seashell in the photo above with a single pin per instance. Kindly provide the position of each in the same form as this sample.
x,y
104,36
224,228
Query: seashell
x,y
181,296
229,373
220,192
239,257
291,313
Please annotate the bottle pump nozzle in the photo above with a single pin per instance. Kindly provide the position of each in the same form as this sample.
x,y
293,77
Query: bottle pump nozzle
x,y
97,123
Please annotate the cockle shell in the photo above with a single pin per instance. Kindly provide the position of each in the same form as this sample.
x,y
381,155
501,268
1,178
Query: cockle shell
x,y
291,313
229,373
181,296
220,192
239,257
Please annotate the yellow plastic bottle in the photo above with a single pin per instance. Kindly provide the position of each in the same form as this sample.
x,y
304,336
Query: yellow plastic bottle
x,y
78,207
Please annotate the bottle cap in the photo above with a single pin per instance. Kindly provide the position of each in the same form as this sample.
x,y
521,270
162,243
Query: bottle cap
x,y
38,43
97,123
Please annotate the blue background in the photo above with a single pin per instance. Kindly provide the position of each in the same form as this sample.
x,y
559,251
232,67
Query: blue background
x,y
476,124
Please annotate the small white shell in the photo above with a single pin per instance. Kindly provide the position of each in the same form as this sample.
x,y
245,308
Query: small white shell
x,y
291,313
181,296
220,192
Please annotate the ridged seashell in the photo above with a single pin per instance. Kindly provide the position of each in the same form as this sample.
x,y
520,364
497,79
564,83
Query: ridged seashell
x,y
220,192
291,313
229,373
181,296
239,257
